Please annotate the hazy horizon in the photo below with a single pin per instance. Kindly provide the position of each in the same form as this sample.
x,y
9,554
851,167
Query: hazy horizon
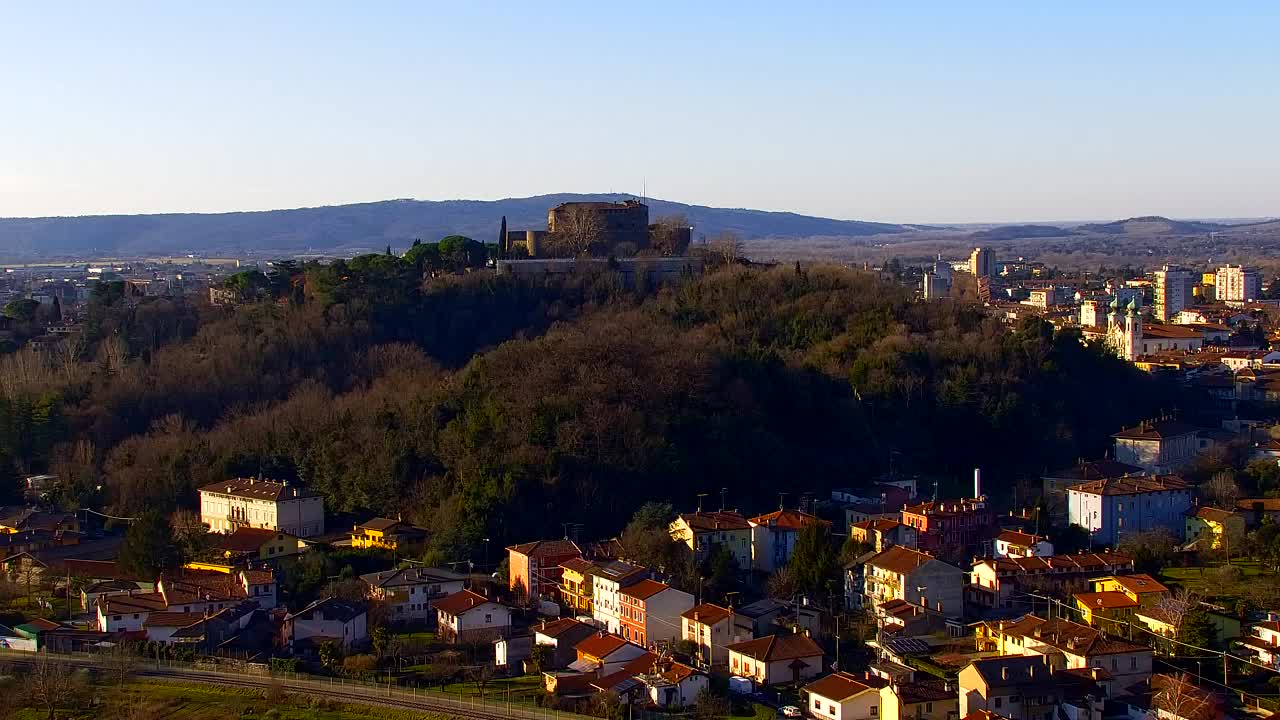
x,y
933,114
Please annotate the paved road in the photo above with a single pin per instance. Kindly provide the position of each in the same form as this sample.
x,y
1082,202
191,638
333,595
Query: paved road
x,y
340,691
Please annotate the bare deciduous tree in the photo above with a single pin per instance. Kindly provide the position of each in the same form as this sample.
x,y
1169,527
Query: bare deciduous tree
x,y
113,353
727,245
1223,490
577,229
669,235
1178,696
52,684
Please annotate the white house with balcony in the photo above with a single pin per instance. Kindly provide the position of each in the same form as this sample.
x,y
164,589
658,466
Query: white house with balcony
x,y
248,502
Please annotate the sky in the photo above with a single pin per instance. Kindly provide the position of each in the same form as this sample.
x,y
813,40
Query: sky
x,y
902,112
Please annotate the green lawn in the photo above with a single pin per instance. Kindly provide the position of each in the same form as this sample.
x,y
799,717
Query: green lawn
x,y
1208,582
524,687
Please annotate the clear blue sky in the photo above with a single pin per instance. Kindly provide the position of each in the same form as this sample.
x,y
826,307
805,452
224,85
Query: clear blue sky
x,y
913,112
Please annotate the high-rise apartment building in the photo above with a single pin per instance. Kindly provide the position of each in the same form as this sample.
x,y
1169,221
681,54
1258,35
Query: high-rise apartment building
x,y
1174,288
981,262
1235,283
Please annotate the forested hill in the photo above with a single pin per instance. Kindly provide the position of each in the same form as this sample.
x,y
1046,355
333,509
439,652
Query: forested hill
x,y
485,407
350,229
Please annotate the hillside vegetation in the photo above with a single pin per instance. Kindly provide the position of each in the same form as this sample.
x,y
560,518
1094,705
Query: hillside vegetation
x,y
488,407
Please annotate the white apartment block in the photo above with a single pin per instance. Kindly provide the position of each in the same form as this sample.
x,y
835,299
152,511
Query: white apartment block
x,y
1174,288
247,502
1235,283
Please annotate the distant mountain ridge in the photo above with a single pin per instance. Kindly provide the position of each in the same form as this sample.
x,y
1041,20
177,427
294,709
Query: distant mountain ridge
x,y
370,226
1153,225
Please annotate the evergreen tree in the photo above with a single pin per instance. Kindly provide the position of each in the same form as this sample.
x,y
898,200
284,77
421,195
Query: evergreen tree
x,y
148,547
1197,629
814,559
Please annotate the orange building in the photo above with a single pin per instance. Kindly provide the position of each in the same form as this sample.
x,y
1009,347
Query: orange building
x,y
534,567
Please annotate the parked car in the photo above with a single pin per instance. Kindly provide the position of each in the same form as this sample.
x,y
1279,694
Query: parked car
x,y
791,711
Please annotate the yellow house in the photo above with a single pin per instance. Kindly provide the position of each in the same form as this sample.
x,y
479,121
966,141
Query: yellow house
x,y
388,534
576,583
702,532
1158,621
248,543
1116,599
1210,526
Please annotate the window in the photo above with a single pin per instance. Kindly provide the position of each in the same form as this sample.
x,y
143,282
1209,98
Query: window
x,y
488,618
875,711
1133,663
817,704
999,702
928,707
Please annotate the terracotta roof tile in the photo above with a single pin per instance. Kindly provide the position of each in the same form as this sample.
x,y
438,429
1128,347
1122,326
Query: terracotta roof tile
x,y
778,647
461,602
837,687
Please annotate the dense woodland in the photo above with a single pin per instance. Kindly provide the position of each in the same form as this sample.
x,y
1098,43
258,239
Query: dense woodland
x,y
482,406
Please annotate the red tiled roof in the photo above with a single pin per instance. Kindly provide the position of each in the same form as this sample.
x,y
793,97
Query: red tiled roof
x,y
546,548
707,614
901,560
1109,600
778,647
601,645
1018,539
788,519
172,619
1140,583
555,628
245,539
1158,430
715,521
1131,485
1063,563
837,687
258,490
580,565
1263,504
461,602
1214,514
644,589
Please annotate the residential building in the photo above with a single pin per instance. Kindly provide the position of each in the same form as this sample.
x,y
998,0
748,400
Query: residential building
x,y
674,685
1055,483
776,659
248,502
1026,687
344,623
982,263
247,544
387,534
562,636
410,593
605,654
1157,446
468,617
606,585
997,583
185,592
916,578
712,629
1210,528
1115,599
1014,544
1069,646
1256,510
703,532
843,696
1110,509
773,537
1263,641
576,583
650,612
925,699
956,529
161,626
1238,284
883,533
534,567
1173,290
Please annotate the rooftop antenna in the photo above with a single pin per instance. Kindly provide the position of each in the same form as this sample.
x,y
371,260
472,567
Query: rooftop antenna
x,y
781,505
700,496
723,492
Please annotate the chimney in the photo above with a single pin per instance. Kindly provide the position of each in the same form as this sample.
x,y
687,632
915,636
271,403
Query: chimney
x,y
1095,673
977,483
1004,672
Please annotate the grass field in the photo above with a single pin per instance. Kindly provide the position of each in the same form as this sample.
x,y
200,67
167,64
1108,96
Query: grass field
x,y
1207,581
177,701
